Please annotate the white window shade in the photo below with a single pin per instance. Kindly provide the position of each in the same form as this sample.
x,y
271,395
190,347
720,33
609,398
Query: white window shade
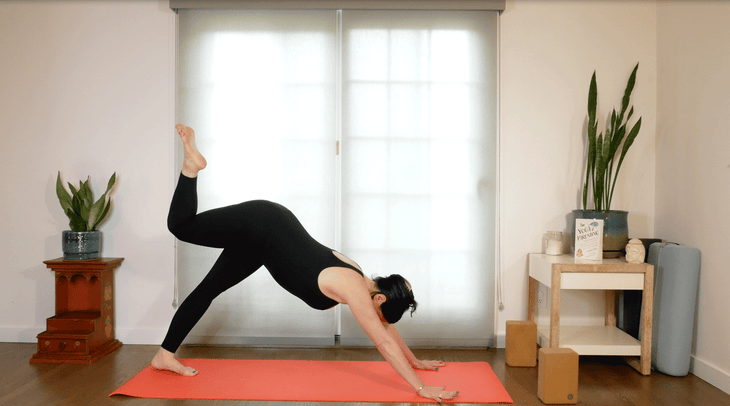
x,y
419,130
258,88
411,96
491,5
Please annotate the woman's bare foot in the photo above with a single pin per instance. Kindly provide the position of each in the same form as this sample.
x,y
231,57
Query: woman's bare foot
x,y
166,360
194,161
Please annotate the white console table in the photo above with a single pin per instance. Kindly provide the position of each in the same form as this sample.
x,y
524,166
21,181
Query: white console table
x,y
563,272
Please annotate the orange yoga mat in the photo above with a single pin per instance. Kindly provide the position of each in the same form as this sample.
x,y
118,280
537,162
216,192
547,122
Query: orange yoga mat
x,y
312,381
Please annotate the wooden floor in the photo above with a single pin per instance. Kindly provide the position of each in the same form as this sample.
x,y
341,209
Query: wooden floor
x,y
603,380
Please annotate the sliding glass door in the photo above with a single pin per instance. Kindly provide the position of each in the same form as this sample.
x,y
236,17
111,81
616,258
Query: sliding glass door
x,y
377,129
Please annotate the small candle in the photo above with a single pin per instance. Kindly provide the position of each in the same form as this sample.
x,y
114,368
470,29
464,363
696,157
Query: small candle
x,y
553,243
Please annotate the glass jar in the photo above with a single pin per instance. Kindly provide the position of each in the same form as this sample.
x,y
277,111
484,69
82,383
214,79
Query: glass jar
x,y
552,243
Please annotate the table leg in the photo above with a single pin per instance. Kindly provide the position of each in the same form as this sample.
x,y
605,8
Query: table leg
x,y
533,285
555,309
647,316
611,308
643,364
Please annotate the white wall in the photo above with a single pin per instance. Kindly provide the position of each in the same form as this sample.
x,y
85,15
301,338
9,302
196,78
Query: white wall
x,y
549,50
693,163
87,89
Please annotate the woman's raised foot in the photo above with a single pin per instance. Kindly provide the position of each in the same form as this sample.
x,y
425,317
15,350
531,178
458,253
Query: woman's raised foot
x,y
194,160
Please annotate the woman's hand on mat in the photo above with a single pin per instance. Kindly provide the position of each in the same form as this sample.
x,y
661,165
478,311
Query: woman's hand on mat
x,y
428,364
438,394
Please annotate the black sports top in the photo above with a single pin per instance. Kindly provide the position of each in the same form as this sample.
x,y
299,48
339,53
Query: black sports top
x,y
291,255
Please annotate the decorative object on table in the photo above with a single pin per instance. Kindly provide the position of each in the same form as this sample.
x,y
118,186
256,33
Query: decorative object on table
x,y
588,239
606,153
82,331
615,229
552,243
83,241
635,251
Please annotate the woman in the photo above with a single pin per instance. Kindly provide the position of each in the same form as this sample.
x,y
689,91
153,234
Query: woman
x,y
259,233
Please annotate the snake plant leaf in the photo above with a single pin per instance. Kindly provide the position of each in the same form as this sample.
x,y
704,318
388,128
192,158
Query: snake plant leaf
x,y
82,192
85,211
627,144
617,138
592,99
76,204
63,197
95,213
76,223
86,194
592,128
102,216
111,182
629,141
100,208
607,159
612,128
629,89
599,174
590,165
73,190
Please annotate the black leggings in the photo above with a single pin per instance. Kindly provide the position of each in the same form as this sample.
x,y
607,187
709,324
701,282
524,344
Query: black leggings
x,y
216,228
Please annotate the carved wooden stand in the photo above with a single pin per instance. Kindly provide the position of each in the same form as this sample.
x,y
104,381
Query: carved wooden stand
x,y
82,330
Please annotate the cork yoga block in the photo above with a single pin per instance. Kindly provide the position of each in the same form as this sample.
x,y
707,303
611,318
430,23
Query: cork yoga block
x,y
521,349
557,376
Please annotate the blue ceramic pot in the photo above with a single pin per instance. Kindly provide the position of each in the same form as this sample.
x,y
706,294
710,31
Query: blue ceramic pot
x,y
81,245
615,229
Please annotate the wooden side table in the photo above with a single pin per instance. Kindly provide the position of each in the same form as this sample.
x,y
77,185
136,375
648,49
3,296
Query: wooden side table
x,y
610,275
82,330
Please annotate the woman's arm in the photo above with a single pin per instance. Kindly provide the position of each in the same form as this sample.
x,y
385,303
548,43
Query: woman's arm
x,y
349,288
362,308
415,362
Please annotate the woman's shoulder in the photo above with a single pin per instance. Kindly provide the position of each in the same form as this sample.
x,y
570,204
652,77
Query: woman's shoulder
x,y
341,284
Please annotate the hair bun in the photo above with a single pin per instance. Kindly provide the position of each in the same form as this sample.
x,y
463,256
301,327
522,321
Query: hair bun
x,y
399,297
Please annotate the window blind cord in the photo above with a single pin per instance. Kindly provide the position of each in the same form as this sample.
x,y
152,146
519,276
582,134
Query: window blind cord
x,y
498,225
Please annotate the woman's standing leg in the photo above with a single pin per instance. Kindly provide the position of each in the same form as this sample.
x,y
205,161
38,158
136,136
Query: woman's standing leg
x,y
231,268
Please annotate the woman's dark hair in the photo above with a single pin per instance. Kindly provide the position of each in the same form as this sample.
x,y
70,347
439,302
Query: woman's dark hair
x,y
399,297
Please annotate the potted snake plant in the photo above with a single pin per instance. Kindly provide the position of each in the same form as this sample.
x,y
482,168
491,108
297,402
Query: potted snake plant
x,y
605,155
83,240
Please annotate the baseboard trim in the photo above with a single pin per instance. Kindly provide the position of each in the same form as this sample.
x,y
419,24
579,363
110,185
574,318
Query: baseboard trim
x,y
711,374
155,337
20,334
301,342
501,340
424,343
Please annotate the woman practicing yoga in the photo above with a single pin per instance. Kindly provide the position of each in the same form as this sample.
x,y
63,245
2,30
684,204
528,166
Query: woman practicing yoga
x,y
259,233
